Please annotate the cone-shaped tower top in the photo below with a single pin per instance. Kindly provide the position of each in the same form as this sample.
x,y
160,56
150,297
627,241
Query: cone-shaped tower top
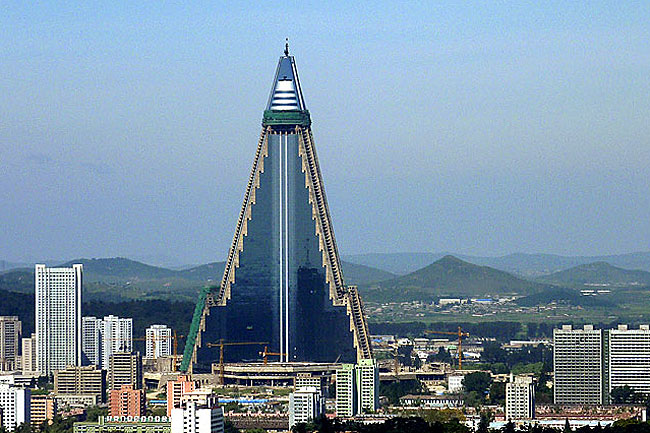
x,y
286,94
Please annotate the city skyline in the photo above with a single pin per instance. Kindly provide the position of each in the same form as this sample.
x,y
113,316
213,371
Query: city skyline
x,y
501,129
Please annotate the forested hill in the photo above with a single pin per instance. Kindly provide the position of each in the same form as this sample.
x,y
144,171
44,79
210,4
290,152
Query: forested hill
x,y
451,276
176,315
598,275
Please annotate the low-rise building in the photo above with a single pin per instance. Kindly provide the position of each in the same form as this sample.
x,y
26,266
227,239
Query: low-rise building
x,y
431,401
108,424
84,381
126,401
42,409
455,383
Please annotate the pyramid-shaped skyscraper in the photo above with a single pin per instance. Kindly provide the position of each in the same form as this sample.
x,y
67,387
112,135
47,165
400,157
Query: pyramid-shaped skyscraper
x,y
282,283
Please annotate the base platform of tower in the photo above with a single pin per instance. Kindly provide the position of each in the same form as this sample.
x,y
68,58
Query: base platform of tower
x,y
282,290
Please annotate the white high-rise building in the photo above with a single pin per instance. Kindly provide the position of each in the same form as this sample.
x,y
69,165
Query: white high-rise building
x,y
29,357
305,404
91,341
629,358
58,317
367,373
159,341
578,365
194,418
116,336
14,405
520,398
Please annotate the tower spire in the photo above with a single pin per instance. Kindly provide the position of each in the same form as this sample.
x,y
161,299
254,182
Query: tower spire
x,y
286,48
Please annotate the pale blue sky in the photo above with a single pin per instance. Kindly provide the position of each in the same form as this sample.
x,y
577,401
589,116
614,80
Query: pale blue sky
x,y
129,129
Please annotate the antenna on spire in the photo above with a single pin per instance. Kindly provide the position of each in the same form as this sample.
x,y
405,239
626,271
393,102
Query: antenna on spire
x,y
286,48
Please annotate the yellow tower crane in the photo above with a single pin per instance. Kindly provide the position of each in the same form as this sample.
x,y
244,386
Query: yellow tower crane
x,y
460,335
221,344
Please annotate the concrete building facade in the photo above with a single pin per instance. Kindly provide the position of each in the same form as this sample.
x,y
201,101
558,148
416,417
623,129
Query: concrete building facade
x,y
520,398
197,419
58,317
346,391
126,401
628,363
109,424
305,404
367,377
29,357
116,337
91,340
578,363
42,409
14,406
10,334
158,341
85,381
175,390
125,369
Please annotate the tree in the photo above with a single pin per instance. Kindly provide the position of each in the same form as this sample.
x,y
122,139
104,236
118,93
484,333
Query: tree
x,y
484,422
567,426
492,352
443,355
498,393
509,427
94,412
478,381
623,395
229,427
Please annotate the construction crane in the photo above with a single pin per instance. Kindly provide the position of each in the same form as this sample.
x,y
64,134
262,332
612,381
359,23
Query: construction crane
x,y
221,344
460,335
265,354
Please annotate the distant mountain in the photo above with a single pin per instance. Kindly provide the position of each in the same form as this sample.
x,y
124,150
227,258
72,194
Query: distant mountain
x,y
598,273
527,265
120,268
451,276
117,279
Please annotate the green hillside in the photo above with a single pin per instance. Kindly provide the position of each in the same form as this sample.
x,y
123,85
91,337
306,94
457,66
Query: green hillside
x,y
451,276
597,275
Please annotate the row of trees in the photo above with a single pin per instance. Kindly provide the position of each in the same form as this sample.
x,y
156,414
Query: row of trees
x,y
420,425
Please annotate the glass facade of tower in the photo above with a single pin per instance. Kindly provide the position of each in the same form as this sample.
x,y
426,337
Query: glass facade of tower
x,y
277,294
280,295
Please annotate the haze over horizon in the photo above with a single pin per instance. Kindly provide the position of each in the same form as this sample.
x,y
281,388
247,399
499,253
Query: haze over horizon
x,y
129,129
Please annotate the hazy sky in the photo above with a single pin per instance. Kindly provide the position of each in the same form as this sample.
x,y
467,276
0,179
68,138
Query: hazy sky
x,y
129,128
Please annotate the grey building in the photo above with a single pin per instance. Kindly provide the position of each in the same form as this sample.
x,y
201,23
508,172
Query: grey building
x,y
579,366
